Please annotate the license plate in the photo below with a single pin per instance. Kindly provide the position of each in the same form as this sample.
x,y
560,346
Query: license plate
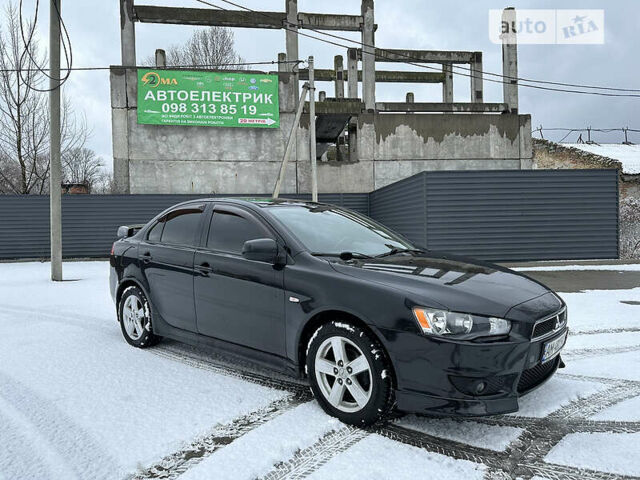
x,y
552,348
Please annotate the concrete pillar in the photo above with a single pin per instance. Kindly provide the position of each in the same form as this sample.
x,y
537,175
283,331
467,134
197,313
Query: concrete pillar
x,y
127,33
352,92
291,7
352,73
510,60
161,58
447,85
477,83
368,56
410,98
338,67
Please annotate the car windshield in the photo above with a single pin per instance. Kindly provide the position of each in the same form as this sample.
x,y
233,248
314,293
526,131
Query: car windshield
x,y
328,230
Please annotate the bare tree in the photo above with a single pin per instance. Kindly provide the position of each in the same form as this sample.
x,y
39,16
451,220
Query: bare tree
x,y
213,48
82,165
24,113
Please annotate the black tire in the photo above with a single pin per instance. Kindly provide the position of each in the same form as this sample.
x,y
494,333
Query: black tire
x,y
381,399
146,338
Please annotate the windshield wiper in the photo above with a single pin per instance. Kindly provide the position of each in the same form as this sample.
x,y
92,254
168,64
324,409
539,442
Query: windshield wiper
x,y
396,250
343,255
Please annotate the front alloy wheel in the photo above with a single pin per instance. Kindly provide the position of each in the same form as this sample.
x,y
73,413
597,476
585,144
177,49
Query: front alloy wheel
x,y
343,374
349,373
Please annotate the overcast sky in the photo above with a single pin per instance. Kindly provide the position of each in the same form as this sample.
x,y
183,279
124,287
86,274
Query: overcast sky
x,y
441,25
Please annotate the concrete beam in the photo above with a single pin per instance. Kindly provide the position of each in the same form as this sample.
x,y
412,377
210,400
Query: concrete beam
x,y
442,107
243,19
337,106
321,21
382,76
421,56
208,17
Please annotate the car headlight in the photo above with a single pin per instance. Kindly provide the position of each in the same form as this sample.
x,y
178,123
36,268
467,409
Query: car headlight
x,y
443,323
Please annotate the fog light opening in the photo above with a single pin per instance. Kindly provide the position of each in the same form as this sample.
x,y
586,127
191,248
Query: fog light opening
x,y
480,387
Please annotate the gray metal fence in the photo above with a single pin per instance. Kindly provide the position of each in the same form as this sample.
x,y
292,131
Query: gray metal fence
x,y
89,222
506,215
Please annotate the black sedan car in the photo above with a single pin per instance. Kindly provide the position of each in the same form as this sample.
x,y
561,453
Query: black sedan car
x,y
373,321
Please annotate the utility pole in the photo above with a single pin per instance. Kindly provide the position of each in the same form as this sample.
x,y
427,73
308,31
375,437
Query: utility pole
x,y
291,141
312,133
55,165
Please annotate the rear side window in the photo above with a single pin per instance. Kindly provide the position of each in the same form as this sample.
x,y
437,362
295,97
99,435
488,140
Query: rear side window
x,y
229,231
180,227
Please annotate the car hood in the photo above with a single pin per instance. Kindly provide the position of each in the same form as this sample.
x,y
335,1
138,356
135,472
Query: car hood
x,y
452,282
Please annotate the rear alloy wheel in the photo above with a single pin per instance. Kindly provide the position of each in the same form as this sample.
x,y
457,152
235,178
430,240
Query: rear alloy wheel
x,y
135,318
349,374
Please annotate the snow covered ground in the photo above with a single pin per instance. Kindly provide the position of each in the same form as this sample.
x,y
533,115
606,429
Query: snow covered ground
x,y
76,402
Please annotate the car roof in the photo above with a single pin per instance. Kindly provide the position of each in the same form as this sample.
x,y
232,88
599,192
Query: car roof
x,y
258,201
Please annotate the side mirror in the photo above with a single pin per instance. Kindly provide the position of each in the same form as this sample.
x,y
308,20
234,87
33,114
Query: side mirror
x,y
261,250
123,231
128,230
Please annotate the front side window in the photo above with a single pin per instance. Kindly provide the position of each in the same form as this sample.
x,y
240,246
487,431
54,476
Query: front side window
x,y
228,232
155,232
180,227
331,230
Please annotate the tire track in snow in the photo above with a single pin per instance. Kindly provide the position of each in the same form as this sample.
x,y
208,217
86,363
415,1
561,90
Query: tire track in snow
x,y
230,370
604,330
596,352
76,447
524,458
84,322
175,464
543,434
306,461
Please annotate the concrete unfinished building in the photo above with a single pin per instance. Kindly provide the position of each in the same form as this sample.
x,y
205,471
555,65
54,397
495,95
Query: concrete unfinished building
x,y
384,141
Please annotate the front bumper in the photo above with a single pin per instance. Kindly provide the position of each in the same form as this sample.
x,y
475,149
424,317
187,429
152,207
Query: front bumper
x,y
465,378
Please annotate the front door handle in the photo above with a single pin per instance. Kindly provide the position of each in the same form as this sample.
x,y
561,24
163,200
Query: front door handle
x,y
204,269
146,257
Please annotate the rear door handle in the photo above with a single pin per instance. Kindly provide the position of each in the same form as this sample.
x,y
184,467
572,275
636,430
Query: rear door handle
x,y
204,269
146,257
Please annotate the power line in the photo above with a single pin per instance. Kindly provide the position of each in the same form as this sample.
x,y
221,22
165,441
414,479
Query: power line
x,y
420,65
66,45
153,67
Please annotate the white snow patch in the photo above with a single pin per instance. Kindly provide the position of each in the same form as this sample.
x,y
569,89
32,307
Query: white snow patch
x,y
379,457
627,155
633,267
627,411
601,309
554,394
624,366
602,340
254,454
344,326
608,452
97,407
465,431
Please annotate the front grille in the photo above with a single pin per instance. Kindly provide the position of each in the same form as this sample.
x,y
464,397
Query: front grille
x,y
547,326
534,376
